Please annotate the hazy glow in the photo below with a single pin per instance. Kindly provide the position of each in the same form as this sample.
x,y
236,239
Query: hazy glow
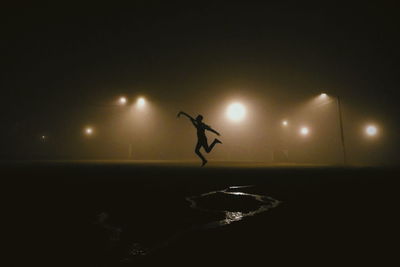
x,y
122,100
285,123
236,112
141,102
371,130
304,131
88,131
323,95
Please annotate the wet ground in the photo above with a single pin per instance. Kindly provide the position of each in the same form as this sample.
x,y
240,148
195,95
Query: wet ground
x,y
126,213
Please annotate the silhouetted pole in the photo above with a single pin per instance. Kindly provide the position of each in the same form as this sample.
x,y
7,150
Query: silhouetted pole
x,y
130,151
341,130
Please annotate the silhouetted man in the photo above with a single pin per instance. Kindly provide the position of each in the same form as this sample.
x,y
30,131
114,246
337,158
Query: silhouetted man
x,y
201,135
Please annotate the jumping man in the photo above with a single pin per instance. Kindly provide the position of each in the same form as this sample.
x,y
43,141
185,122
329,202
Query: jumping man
x,y
201,135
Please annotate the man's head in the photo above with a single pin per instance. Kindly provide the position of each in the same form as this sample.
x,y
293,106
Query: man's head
x,y
199,118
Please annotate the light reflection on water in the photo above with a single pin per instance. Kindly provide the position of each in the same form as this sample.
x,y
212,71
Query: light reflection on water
x,y
265,203
233,216
262,203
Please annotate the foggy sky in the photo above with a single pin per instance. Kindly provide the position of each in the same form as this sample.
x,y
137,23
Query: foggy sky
x,y
62,63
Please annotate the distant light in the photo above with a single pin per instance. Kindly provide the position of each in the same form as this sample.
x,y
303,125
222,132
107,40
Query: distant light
x,y
285,123
371,130
43,137
141,102
304,131
122,100
323,95
236,112
88,131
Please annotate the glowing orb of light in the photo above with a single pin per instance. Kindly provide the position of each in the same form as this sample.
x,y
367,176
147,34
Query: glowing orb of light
x,y
285,123
141,102
122,100
304,131
236,112
323,95
371,130
88,131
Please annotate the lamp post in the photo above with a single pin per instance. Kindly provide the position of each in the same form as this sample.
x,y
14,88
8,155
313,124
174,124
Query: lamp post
x,y
141,105
340,118
341,130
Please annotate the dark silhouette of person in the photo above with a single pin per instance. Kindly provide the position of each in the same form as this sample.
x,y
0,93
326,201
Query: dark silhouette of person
x,y
201,135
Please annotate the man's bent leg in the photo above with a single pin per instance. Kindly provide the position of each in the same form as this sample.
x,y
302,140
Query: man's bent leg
x,y
197,151
209,148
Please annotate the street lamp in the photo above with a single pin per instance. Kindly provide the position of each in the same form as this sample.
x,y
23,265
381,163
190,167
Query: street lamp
x,y
304,131
141,102
122,100
285,123
88,131
339,109
236,112
371,130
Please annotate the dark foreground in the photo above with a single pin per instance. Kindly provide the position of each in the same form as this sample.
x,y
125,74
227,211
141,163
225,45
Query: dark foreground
x,y
125,214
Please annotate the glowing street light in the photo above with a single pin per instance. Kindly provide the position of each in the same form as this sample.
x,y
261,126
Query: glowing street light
x,y
122,100
236,112
323,96
304,131
371,130
141,102
285,123
88,130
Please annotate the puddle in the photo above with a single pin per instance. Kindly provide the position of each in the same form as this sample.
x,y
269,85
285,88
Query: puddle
x,y
234,204
216,209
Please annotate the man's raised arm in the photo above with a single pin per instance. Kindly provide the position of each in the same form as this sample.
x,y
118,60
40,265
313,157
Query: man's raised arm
x,y
212,130
185,114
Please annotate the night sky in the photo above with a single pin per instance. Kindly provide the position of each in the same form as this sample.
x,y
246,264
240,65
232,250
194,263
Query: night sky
x,y
61,63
